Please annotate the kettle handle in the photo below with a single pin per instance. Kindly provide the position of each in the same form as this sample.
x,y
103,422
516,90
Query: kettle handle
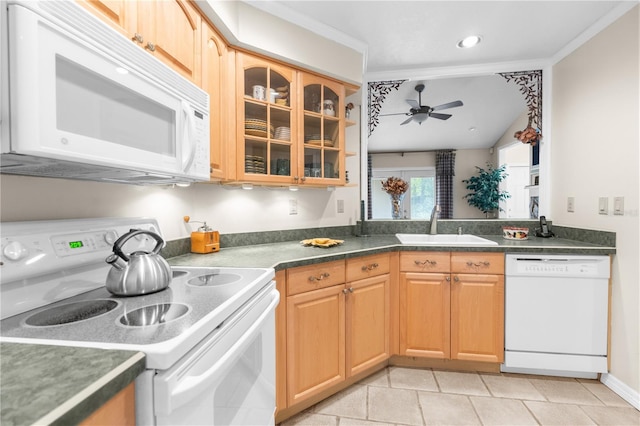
x,y
117,246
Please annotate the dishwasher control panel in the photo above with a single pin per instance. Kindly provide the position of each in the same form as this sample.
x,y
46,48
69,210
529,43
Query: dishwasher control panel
x,y
536,265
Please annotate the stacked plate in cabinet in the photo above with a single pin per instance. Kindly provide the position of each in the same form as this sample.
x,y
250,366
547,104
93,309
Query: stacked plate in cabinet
x,y
283,133
255,164
316,140
257,127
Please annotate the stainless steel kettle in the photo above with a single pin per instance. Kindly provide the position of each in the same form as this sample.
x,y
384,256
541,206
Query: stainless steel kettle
x,y
139,272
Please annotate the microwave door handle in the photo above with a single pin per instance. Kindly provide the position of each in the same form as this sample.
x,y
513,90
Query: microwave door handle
x,y
188,150
167,400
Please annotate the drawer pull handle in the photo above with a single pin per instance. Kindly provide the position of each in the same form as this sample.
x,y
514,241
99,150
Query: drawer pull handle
x,y
369,267
426,262
479,264
319,277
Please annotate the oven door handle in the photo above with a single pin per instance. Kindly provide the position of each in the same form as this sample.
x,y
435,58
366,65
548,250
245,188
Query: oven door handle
x,y
190,387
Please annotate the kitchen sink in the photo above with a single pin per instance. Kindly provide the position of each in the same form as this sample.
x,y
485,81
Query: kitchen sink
x,y
444,240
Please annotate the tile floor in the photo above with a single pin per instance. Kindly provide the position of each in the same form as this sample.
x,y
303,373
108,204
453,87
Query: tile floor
x,y
406,396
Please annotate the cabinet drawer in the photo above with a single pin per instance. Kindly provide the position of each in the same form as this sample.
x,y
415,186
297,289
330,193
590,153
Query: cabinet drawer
x,y
424,261
313,277
477,263
367,266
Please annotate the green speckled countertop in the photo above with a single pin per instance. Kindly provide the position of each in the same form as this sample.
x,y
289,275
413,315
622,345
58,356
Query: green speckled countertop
x,y
60,385
284,255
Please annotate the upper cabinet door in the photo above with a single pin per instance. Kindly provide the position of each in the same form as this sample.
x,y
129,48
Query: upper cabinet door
x,y
119,14
171,31
266,121
322,130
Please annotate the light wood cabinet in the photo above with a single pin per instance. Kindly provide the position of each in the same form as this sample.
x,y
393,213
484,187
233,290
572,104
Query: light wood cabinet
x,y
477,306
217,80
266,125
170,30
335,329
321,131
456,309
119,410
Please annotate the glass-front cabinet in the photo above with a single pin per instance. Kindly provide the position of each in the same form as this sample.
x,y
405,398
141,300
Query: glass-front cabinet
x,y
267,151
321,131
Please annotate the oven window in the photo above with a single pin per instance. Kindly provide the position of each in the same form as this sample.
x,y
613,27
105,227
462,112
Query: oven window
x,y
91,105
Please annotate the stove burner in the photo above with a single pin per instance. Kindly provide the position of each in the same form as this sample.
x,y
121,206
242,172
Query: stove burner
x,y
154,314
214,279
178,274
72,312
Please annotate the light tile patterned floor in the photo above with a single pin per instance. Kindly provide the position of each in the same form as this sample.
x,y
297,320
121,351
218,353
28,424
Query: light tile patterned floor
x,y
406,396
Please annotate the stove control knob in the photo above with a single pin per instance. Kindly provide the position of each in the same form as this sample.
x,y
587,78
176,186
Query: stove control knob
x,y
110,237
15,250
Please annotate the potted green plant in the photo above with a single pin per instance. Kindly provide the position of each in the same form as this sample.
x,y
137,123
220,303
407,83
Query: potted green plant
x,y
485,189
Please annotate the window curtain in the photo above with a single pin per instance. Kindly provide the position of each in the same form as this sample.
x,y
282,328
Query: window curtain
x,y
445,171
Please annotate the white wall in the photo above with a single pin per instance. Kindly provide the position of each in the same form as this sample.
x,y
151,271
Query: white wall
x,y
594,147
226,209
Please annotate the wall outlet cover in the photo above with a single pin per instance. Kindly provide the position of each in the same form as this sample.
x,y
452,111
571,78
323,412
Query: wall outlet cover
x,y
340,206
293,207
571,202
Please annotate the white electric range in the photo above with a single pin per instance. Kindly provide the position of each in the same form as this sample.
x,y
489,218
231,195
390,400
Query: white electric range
x,y
209,338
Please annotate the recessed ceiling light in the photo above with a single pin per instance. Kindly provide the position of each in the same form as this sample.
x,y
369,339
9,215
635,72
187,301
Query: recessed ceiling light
x,y
469,41
472,129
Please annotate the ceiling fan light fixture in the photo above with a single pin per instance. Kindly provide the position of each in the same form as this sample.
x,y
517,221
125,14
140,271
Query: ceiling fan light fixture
x,y
420,117
469,41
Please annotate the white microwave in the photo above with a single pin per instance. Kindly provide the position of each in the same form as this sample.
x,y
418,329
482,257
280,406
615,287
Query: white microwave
x,y
81,101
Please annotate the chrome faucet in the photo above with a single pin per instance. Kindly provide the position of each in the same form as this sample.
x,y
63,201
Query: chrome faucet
x,y
434,220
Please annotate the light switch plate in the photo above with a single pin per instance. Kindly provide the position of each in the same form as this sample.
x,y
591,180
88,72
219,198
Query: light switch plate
x,y
571,204
293,206
618,206
340,206
603,205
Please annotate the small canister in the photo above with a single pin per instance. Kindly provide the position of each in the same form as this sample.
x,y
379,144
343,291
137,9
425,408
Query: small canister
x,y
259,92
328,108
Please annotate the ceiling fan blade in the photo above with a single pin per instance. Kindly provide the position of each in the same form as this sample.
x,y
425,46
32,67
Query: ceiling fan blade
x,y
440,116
448,105
413,103
397,113
407,120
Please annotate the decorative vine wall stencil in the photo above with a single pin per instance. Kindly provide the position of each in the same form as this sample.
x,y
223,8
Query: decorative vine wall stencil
x,y
530,83
377,92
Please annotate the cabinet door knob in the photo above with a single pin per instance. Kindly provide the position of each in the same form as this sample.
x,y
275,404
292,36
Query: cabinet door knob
x,y
137,38
447,278
456,279
150,46
344,291
350,289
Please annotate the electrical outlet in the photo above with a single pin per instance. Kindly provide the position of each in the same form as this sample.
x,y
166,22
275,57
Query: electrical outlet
x,y
603,205
571,204
340,206
293,207
618,206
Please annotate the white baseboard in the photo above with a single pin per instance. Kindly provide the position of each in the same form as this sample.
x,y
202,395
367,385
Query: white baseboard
x,y
624,391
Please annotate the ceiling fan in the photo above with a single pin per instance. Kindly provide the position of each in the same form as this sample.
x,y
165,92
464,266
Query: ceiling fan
x,y
420,113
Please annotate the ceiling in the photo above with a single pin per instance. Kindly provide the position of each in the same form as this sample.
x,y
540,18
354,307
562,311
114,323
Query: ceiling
x,y
401,39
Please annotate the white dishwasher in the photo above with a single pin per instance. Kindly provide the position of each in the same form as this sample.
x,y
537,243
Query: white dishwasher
x,y
556,310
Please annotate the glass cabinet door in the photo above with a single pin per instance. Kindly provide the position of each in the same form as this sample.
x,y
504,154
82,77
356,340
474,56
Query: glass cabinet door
x,y
323,131
268,124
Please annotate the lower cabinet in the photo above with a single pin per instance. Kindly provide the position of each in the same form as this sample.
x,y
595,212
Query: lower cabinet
x,y
452,305
119,410
337,323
